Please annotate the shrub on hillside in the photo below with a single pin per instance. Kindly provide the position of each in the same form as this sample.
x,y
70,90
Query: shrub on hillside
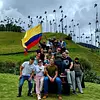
x,y
85,64
89,74
7,67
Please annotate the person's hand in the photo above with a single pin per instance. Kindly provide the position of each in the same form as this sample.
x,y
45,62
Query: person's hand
x,y
20,77
62,74
50,79
30,79
53,79
66,70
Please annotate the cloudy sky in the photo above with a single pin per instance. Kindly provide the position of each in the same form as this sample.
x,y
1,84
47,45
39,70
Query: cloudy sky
x,y
82,11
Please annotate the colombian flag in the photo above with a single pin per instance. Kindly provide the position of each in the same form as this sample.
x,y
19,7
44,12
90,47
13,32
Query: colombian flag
x,y
32,37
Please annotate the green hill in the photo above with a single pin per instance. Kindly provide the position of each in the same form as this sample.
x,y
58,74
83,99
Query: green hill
x,y
9,88
10,42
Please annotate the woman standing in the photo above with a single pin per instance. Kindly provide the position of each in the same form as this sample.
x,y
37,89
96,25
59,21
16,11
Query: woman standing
x,y
78,74
39,70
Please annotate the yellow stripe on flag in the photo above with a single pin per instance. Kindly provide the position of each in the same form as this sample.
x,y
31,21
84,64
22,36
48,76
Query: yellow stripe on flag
x,y
30,33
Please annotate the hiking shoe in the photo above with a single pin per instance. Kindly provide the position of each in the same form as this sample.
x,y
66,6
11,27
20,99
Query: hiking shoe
x,y
59,98
74,92
38,97
45,96
81,92
30,95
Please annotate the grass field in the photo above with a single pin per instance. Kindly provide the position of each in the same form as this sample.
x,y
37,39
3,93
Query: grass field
x,y
9,87
10,42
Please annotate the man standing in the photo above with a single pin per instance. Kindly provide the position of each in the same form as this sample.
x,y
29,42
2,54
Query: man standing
x,y
26,73
68,68
51,75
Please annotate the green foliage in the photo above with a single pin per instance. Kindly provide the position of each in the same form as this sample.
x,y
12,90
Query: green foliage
x,y
11,27
85,64
91,76
7,67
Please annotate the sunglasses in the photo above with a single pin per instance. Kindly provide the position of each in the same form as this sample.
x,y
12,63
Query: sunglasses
x,y
39,61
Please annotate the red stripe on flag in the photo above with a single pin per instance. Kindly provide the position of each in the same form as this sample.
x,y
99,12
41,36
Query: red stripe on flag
x,y
33,43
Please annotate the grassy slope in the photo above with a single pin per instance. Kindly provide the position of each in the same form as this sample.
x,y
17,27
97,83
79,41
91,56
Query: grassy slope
x,y
9,87
11,42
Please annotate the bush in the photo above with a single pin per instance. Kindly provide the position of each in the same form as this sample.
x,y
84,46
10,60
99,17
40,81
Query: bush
x,y
7,67
89,74
11,67
85,64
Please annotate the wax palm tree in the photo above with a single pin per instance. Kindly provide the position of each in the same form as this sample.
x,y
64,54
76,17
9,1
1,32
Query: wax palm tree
x,y
46,19
66,22
66,29
59,28
31,21
60,7
86,39
37,17
54,24
79,30
90,32
50,25
40,19
97,39
96,21
29,17
54,11
83,36
77,38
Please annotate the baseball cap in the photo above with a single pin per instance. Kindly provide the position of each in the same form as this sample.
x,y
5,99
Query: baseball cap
x,y
67,51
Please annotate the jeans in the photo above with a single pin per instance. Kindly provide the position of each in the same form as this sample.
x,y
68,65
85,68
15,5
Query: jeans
x,y
57,80
21,82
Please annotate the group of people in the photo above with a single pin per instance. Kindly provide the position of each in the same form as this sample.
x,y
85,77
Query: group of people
x,y
50,65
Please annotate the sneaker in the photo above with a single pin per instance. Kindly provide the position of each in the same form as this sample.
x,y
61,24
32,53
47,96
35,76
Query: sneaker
x,y
74,92
45,96
30,95
81,92
59,98
39,97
